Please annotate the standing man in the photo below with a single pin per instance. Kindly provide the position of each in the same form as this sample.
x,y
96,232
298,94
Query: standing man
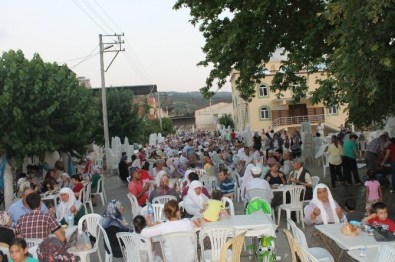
x,y
226,185
301,176
375,151
350,155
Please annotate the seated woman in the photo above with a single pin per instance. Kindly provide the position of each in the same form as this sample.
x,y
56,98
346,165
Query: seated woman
x,y
69,205
7,234
194,200
77,185
65,181
163,189
322,209
113,223
275,176
49,181
174,224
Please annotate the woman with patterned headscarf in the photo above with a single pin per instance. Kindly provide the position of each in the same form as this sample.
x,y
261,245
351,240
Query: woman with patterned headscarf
x,y
113,223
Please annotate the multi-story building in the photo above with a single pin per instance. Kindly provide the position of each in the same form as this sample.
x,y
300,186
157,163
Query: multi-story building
x,y
268,111
206,118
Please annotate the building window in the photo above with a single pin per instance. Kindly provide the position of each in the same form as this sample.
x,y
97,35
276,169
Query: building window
x,y
263,91
333,110
264,113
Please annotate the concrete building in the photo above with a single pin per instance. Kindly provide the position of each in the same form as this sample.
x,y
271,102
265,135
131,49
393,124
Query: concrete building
x,y
206,118
268,111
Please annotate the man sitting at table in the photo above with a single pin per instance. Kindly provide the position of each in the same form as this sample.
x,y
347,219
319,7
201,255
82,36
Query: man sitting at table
x,y
137,189
37,224
301,176
258,183
20,207
226,185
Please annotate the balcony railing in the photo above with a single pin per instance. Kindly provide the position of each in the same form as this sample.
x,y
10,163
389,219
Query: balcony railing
x,y
295,120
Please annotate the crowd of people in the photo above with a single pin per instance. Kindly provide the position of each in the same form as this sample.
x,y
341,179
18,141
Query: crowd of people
x,y
176,166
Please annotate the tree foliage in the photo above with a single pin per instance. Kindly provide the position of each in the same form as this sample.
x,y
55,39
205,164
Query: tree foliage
x,y
226,120
43,107
352,42
128,118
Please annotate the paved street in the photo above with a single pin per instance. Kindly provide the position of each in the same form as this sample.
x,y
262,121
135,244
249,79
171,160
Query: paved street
x,y
115,191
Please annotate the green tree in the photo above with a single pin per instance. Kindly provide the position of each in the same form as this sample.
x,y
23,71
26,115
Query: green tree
x,y
352,42
43,107
226,120
124,119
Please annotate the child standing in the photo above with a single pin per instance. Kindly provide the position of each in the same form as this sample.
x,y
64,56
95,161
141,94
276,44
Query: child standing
x,y
373,191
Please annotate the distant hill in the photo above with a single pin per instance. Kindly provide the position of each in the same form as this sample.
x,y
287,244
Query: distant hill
x,y
185,104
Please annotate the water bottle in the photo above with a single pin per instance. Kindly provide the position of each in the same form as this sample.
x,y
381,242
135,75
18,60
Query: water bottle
x,y
111,208
344,219
150,214
70,219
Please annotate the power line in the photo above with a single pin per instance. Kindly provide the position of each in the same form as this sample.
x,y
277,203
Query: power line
x,y
82,57
90,17
109,17
95,13
86,59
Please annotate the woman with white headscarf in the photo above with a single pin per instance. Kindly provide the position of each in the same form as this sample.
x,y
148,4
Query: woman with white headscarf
x,y
194,200
69,204
322,209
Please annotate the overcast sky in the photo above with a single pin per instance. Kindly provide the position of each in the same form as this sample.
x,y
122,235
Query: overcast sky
x,y
163,48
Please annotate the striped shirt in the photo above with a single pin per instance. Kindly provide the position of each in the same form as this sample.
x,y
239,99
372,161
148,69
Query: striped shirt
x,y
226,186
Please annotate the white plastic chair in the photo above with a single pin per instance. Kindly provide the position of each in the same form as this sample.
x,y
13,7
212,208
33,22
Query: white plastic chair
x,y
201,172
316,180
226,201
261,193
135,248
158,212
136,209
100,191
181,207
296,203
325,163
218,237
31,242
92,222
163,199
108,252
321,254
99,163
33,251
181,246
237,189
209,182
85,197
385,253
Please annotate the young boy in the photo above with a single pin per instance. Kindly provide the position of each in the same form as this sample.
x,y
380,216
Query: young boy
x,y
379,217
352,214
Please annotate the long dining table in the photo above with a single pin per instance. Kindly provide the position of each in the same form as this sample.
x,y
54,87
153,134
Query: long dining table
x,y
350,243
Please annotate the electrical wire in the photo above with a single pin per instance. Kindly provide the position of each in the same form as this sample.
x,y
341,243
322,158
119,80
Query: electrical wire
x,y
82,57
86,59
90,17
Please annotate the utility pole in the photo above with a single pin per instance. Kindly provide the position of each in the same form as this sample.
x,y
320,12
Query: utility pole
x,y
159,112
106,49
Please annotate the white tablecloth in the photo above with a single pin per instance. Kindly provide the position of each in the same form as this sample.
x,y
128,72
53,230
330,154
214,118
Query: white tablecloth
x,y
371,254
255,224
348,242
